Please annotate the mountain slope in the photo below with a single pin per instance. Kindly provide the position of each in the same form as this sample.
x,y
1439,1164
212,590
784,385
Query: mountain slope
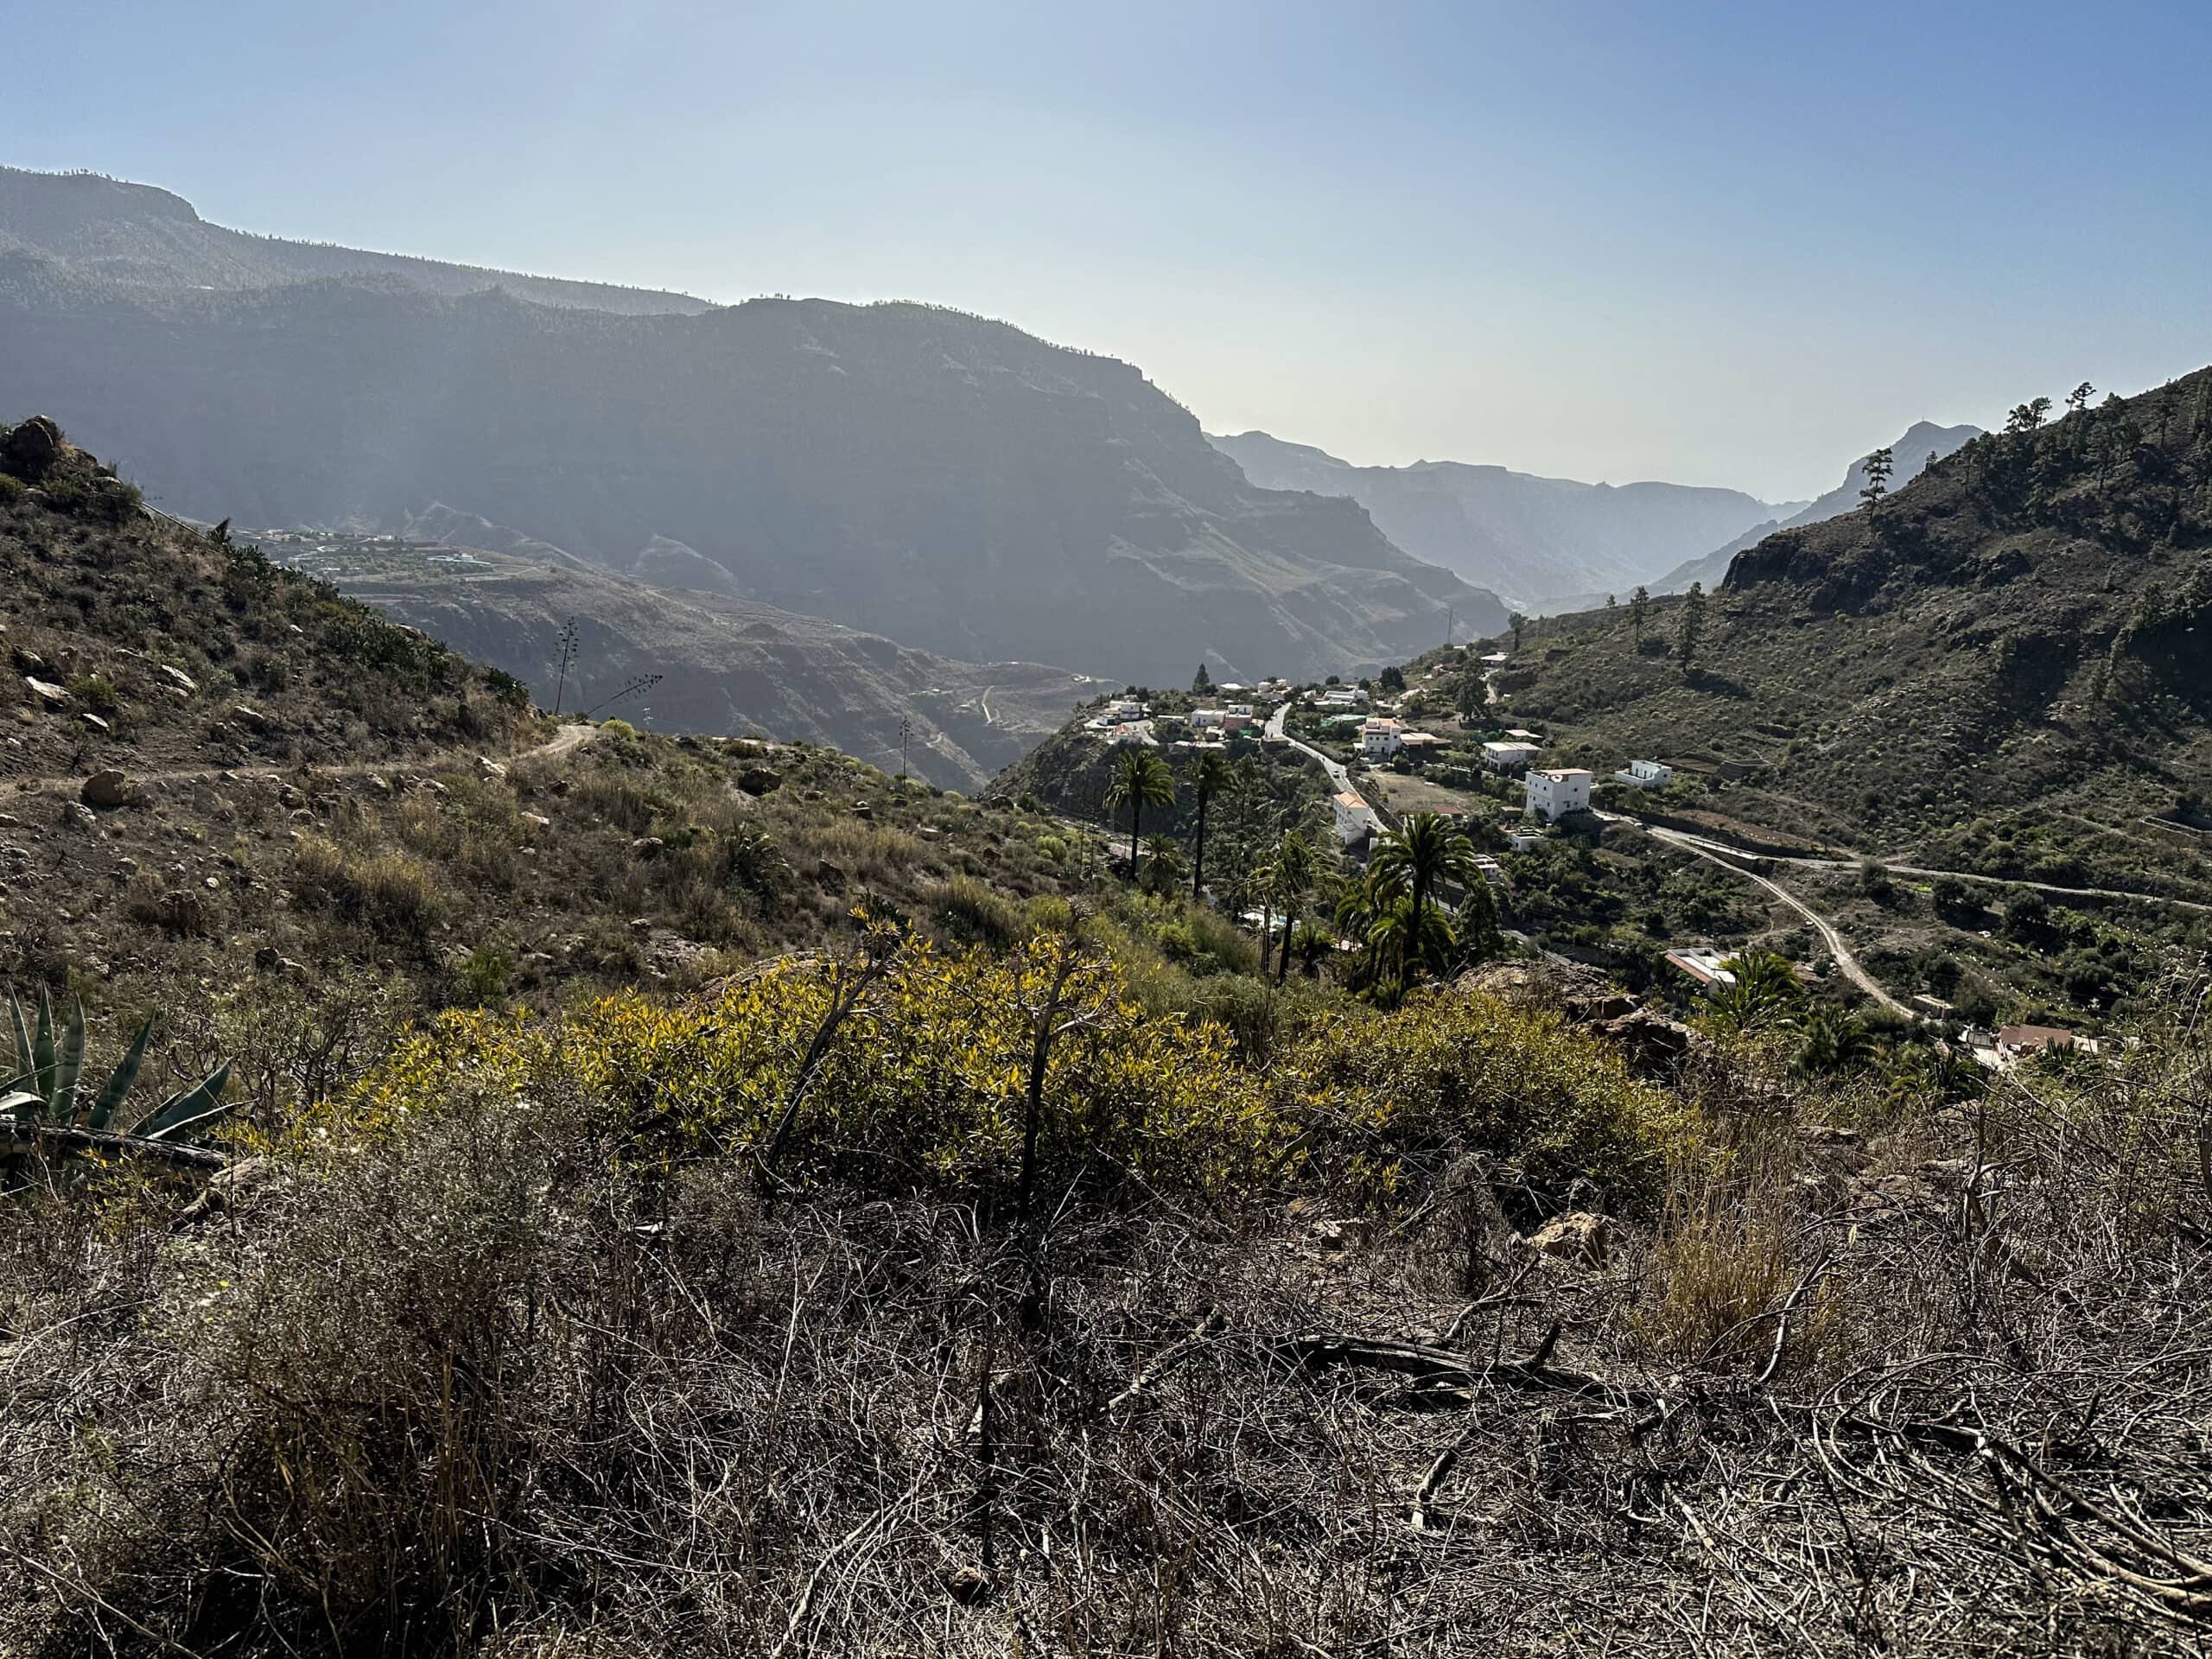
x,y
727,665
915,471
2003,670
1536,539
1924,442
136,235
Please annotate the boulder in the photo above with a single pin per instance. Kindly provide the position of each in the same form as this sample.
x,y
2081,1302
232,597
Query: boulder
x,y
248,714
489,769
30,450
1578,1236
106,788
1653,1045
46,692
93,722
647,847
760,780
179,678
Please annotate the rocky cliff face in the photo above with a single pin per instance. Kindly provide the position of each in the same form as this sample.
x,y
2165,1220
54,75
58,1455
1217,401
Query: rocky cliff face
x,y
951,482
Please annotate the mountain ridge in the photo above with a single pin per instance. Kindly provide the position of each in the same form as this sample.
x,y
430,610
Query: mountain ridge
x,y
912,471
1922,441
1535,538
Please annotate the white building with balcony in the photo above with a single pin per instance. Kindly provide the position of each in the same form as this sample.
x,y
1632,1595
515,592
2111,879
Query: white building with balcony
x,y
1553,793
1379,738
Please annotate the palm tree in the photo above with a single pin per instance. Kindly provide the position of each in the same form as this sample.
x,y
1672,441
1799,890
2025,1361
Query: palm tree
x,y
1414,859
1213,774
1291,874
1400,936
1830,1041
1767,992
1163,864
1141,778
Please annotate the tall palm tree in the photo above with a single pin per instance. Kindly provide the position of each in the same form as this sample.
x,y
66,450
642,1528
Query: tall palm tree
x,y
1292,871
1140,778
1398,938
1213,774
1414,859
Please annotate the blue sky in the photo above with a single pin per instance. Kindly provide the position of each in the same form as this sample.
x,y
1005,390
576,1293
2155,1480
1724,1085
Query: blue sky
x,y
1724,243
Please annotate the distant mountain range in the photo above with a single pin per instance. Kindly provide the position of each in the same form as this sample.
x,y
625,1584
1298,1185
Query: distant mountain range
x,y
1546,544
1922,441
917,473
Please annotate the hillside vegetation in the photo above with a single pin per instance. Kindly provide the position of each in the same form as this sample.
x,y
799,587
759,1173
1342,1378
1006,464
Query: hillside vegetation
x,y
1998,665
691,1195
727,666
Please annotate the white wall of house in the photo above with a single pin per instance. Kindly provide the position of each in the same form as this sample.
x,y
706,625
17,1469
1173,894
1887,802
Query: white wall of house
x,y
1555,793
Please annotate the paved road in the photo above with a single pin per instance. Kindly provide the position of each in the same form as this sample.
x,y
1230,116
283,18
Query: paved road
x,y
1339,775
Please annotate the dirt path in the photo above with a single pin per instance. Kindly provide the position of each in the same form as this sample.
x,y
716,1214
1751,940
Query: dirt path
x,y
1845,962
567,741
1706,846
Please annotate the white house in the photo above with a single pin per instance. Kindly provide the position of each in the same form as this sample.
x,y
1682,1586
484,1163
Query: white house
x,y
1125,708
1490,869
1524,841
1343,697
1555,793
1202,718
1132,732
1243,709
1420,745
1379,738
1509,756
1645,774
1355,819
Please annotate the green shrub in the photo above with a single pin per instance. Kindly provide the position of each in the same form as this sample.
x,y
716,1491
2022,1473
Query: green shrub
x,y
1449,1072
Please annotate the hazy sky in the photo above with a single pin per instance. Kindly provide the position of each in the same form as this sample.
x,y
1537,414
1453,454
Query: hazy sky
x,y
1726,244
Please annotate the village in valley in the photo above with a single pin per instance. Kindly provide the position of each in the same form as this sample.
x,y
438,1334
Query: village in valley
x,y
1436,738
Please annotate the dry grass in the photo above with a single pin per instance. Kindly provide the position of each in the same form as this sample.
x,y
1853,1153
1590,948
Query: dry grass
x,y
484,1386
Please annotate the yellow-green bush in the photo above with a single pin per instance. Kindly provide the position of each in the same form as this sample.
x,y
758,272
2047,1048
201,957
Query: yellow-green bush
x,y
1449,1072
924,1085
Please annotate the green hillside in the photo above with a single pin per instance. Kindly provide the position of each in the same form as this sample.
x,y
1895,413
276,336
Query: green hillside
x,y
2001,665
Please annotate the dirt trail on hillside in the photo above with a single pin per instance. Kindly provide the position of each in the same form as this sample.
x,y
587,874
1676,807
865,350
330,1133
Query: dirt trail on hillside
x,y
567,741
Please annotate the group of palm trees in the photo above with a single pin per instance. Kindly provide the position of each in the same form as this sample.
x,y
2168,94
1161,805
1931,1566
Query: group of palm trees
x,y
1767,998
1394,914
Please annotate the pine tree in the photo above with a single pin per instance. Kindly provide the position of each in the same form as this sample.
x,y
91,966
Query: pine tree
x,y
1201,682
1639,607
1879,466
1691,628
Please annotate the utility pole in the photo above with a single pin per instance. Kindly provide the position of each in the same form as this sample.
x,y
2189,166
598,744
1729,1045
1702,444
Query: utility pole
x,y
570,640
905,731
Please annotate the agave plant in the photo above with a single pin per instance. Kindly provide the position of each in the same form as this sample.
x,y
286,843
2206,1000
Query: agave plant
x,y
49,1066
